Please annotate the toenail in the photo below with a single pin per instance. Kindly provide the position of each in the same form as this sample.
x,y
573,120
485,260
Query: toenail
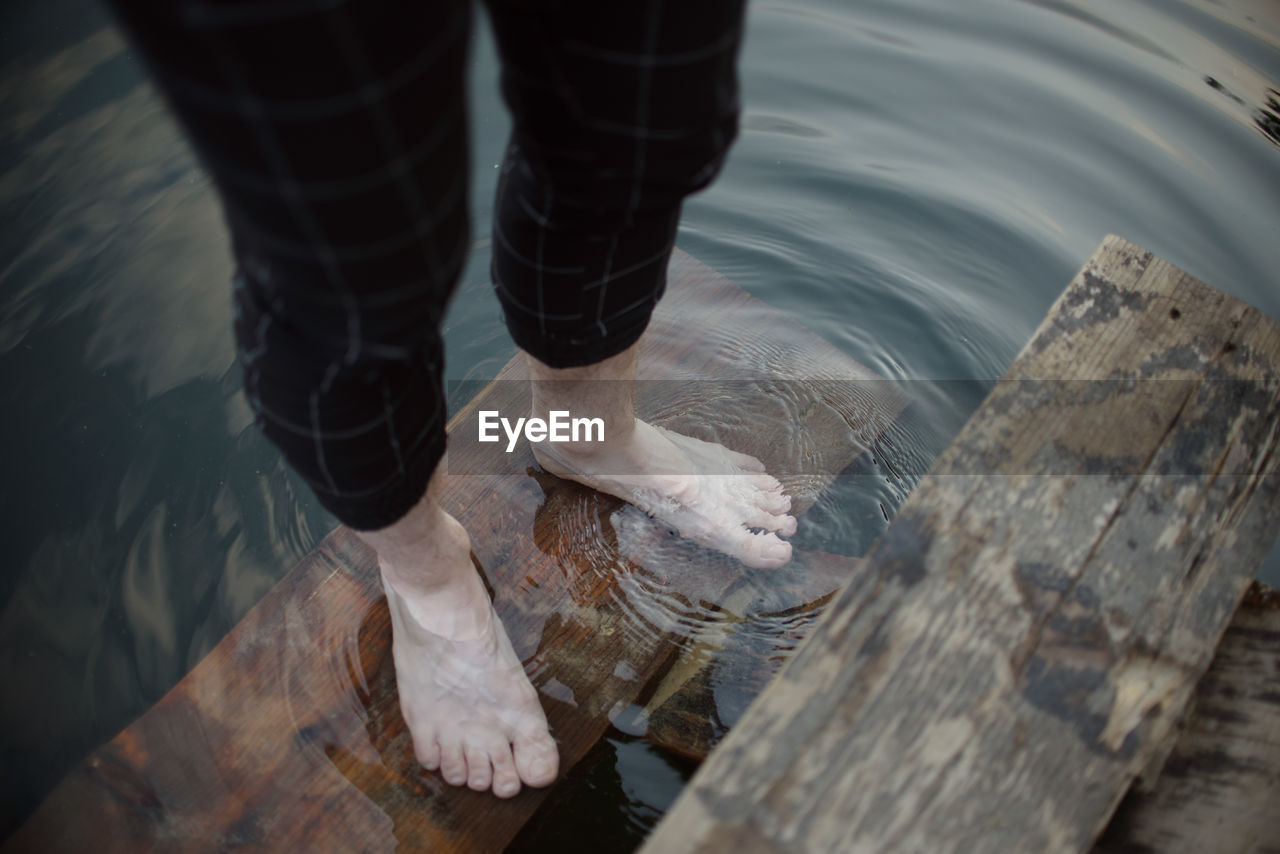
x,y
540,767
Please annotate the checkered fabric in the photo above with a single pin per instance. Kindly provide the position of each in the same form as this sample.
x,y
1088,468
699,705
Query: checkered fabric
x,y
336,134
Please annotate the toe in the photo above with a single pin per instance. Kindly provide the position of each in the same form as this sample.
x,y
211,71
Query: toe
x,y
762,551
453,765
537,760
782,524
506,780
479,772
426,749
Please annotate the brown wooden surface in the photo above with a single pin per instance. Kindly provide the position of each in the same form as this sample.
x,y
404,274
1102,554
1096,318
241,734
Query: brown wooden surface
x,y
1219,790
1024,637
709,686
287,737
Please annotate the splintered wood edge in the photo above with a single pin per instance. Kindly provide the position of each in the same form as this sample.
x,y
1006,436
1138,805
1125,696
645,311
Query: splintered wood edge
x,y
1220,788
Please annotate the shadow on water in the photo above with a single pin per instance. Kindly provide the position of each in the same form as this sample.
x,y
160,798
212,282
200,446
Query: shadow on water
x,y
1268,116
121,582
617,794
143,516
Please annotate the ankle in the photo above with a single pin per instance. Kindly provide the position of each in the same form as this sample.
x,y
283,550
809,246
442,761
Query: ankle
x,y
427,550
600,393
457,608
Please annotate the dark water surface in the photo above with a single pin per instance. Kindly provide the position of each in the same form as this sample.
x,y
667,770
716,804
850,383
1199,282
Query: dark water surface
x,y
915,181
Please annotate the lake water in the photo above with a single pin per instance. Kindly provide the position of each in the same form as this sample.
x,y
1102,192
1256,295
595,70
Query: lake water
x,y
915,181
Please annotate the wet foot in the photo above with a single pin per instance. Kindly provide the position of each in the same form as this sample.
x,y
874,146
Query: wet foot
x,y
718,498
463,692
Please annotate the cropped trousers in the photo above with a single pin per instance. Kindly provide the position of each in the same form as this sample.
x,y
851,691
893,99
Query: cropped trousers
x,y
335,132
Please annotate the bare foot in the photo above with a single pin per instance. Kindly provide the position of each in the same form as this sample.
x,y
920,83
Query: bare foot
x,y
463,691
716,497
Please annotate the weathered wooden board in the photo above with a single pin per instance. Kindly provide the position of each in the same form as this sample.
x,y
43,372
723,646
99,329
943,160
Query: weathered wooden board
x,y
1219,791
287,737
1024,637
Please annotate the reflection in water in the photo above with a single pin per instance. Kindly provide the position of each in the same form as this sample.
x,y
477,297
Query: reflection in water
x,y
148,519
1268,116
616,795
1265,115
384,767
728,628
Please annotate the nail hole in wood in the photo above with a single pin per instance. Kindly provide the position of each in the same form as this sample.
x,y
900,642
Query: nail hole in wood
x,y
1174,313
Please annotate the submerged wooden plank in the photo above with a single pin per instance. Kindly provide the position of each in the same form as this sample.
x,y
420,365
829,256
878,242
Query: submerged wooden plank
x,y
1219,790
287,736
1025,635
709,686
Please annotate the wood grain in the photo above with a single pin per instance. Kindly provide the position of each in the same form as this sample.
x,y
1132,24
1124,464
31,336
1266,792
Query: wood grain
x,y
288,737
1219,790
1024,638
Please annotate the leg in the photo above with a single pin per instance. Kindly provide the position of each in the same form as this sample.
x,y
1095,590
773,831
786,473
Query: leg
x,y
335,133
621,111
463,692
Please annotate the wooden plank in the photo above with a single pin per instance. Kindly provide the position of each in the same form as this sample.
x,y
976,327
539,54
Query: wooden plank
x,y
1026,633
1219,791
287,736
765,617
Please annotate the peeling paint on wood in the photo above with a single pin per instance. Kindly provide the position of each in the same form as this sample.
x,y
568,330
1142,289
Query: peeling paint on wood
x,y
1046,599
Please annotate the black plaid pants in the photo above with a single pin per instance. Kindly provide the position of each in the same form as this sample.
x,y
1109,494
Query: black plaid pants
x,y
336,134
